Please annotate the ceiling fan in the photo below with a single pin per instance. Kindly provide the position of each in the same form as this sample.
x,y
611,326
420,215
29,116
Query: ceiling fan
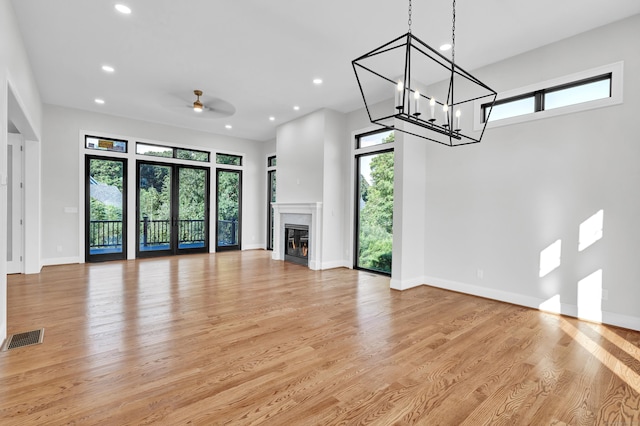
x,y
210,106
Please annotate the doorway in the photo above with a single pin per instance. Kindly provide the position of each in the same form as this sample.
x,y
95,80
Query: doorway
x,y
228,209
172,209
15,214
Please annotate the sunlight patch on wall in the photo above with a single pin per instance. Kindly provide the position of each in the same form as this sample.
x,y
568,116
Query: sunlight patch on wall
x,y
551,305
590,297
591,230
550,258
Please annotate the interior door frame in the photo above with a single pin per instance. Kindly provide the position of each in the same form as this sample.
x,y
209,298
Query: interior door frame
x,y
87,205
174,248
239,245
16,192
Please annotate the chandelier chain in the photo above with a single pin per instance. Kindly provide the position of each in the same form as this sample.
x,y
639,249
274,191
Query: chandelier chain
x,y
409,21
453,34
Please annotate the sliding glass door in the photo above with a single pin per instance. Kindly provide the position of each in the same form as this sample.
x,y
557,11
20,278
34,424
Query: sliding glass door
x,y
173,209
228,209
105,211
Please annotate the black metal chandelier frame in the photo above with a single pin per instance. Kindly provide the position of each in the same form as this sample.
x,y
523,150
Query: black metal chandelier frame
x,y
446,132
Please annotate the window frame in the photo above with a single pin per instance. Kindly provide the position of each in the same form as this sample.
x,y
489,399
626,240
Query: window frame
x,y
101,150
613,71
239,157
357,152
174,152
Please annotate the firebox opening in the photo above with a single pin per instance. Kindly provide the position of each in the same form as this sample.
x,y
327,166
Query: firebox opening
x,y
296,239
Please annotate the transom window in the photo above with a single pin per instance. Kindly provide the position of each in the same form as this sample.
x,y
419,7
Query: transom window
x,y
229,159
573,93
171,152
105,144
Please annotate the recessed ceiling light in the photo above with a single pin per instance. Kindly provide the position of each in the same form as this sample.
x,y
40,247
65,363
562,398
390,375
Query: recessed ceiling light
x,y
296,108
445,46
272,118
108,68
99,101
123,9
317,81
228,126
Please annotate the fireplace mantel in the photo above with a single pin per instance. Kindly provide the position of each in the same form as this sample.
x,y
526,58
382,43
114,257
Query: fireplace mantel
x,y
309,214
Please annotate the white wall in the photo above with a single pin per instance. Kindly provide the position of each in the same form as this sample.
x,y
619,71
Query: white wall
x,y
490,209
335,184
300,150
61,171
496,205
409,225
15,71
311,168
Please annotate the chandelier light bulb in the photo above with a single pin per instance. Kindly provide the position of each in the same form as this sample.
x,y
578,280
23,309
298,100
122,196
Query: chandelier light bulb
x,y
400,89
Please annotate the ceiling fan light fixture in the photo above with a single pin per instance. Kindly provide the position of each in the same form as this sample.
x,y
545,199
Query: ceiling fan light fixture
x,y
197,105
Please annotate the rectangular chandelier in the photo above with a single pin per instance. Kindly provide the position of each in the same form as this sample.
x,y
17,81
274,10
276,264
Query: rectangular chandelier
x,y
433,97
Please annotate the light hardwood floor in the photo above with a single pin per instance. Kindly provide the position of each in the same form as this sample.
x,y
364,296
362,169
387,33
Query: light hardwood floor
x,y
236,338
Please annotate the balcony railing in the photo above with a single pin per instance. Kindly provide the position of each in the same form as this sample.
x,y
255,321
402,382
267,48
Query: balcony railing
x,y
108,233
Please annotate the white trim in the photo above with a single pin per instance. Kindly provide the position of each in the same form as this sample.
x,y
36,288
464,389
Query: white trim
x,y
406,284
617,78
335,264
309,214
610,318
252,247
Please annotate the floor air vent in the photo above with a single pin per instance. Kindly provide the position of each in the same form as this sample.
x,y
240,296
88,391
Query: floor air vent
x,y
23,339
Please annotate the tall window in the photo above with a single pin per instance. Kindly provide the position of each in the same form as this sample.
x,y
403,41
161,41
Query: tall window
x,y
271,198
374,201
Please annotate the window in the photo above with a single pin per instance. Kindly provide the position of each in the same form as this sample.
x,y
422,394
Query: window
x,y
154,150
271,198
509,108
104,144
372,139
595,88
170,152
582,92
553,97
232,160
374,201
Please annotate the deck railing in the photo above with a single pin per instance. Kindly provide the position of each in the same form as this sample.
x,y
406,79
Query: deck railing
x,y
108,233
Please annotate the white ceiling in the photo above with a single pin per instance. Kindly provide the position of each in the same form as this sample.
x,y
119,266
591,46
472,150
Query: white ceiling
x,y
261,56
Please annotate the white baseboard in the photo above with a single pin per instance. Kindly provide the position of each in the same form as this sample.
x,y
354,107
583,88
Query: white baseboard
x,y
335,264
489,293
610,318
60,261
406,284
253,247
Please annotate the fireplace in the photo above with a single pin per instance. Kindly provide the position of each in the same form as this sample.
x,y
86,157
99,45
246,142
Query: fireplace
x,y
296,239
308,215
